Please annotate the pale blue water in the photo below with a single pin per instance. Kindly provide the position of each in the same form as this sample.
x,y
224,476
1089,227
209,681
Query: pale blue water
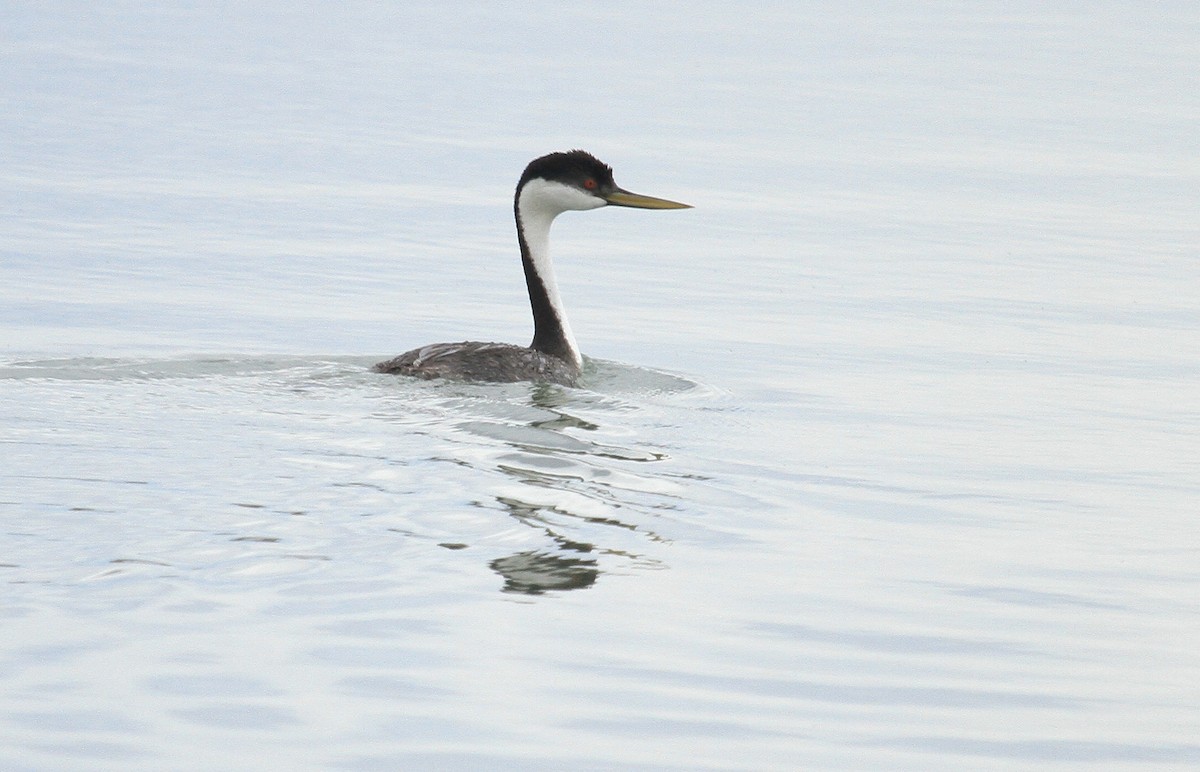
x,y
887,456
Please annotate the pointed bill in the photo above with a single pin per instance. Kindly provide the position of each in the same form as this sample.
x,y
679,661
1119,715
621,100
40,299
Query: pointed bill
x,y
624,198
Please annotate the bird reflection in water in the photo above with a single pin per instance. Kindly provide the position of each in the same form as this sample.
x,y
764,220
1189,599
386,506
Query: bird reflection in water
x,y
572,563
533,573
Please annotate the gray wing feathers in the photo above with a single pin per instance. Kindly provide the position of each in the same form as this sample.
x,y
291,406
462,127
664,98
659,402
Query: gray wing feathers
x,y
475,361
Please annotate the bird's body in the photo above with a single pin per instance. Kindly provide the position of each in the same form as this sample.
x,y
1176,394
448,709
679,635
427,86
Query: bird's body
x,y
476,361
550,185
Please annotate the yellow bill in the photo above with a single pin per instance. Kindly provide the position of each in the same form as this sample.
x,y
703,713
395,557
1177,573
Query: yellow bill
x,y
624,198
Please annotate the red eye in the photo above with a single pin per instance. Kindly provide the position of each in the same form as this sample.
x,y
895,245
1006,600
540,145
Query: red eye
x,y
590,184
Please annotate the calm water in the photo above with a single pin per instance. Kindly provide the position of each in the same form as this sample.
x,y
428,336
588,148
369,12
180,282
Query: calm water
x,y
887,456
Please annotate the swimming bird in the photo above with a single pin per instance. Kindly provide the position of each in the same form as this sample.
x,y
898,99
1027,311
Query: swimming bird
x,y
550,185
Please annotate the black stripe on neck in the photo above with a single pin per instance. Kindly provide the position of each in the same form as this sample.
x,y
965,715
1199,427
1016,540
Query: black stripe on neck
x,y
548,334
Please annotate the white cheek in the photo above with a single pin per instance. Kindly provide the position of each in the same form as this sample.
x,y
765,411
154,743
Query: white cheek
x,y
552,198
583,201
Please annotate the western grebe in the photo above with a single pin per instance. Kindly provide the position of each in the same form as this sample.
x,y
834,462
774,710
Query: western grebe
x,y
550,185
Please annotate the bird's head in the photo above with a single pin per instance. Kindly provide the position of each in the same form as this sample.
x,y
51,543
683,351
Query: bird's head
x,y
577,180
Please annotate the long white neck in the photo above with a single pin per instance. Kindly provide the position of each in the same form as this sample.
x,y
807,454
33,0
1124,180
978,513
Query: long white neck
x,y
537,204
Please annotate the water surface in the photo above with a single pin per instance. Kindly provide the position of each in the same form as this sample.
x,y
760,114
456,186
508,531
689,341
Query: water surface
x,y
886,455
